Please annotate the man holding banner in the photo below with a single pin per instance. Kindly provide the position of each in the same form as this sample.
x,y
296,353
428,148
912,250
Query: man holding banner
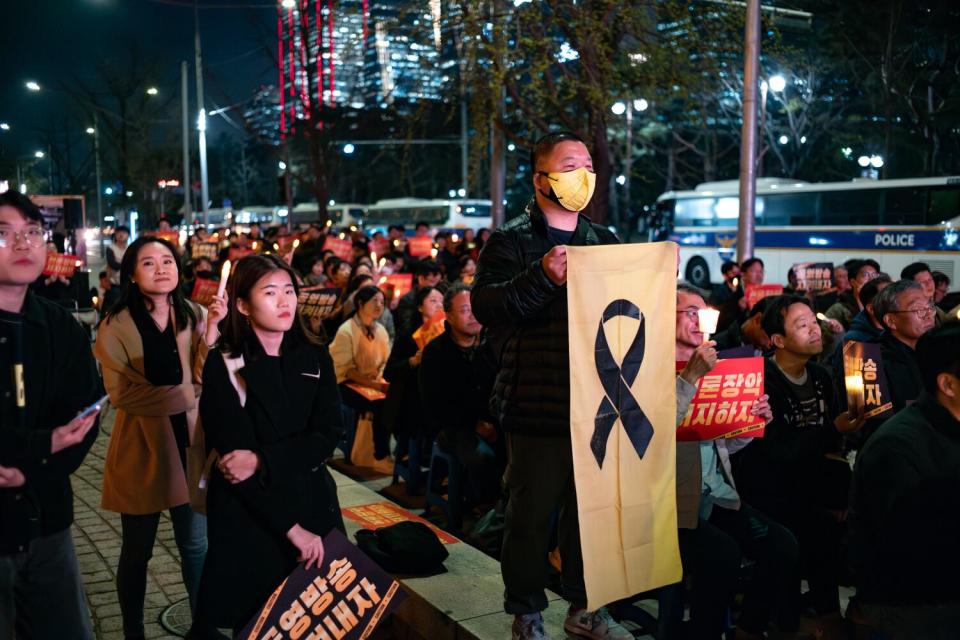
x,y
520,295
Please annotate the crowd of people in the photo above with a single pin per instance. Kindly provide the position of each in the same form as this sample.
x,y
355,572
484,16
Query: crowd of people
x,y
228,406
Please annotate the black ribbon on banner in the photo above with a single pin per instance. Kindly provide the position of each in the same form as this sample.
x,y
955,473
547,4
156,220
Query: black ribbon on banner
x,y
618,401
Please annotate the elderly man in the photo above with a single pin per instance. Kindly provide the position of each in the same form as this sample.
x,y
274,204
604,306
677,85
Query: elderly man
x,y
520,296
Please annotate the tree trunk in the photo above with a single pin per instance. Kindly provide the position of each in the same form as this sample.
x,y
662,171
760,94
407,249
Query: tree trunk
x,y
603,166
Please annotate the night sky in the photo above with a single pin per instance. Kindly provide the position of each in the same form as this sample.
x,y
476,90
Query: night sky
x,y
48,41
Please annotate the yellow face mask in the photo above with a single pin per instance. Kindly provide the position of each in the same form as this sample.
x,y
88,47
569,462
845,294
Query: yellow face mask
x,y
572,190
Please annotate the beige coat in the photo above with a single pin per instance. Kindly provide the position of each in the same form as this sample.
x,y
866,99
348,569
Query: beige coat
x,y
143,473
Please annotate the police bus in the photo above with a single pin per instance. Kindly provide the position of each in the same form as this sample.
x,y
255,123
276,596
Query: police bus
x,y
439,214
895,222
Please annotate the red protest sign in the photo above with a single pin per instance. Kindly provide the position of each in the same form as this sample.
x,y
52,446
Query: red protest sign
x,y
396,285
430,329
204,291
345,597
419,246
721,406
341,247
380,246
236,253
208,250
60,265
285,243
383,514
754,293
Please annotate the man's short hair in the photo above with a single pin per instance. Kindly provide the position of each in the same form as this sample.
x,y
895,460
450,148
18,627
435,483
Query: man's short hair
x,y
727,266
23,204
775,316
854,267
422,224
886,301
760,307
938,351
101,275
749,262
454,290
545,144
910,271
397,227
428,268
689,289
122,227
870,290
939,278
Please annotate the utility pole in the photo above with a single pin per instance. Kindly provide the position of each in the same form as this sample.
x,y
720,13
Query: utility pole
x,y
498,160
202,119
96,159
185,116
748,136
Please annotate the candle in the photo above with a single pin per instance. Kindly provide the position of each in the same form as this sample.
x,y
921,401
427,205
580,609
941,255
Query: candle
x,y
708,321
455,238
433,253
854,384
736,282
296,243
254,245
342,235
329,223
382,280
383,261
96,301
224,275
373,257
821,317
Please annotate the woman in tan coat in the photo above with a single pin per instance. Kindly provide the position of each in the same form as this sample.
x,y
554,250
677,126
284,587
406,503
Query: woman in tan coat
x,y
152,346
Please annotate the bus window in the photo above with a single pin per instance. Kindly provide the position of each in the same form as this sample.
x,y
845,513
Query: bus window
x,y
904,206
944,205
850,207
789,209
694,212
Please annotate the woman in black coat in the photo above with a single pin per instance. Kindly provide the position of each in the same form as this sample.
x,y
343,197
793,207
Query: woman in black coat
x,y
271,409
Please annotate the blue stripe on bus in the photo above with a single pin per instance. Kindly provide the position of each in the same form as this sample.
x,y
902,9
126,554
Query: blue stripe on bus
x,y
897,239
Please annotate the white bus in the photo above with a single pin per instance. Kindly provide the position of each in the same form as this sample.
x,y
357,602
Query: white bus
x,y
339,213
895,222
439,214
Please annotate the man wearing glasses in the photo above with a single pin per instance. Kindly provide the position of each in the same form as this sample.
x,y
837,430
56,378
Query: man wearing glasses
x,y
906,313
47,376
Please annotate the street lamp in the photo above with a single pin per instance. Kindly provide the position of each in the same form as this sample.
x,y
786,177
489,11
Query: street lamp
x,y
32,86
876,162
618,108
349,148
38,154
4,126
863,161
778,83
288,4
152,91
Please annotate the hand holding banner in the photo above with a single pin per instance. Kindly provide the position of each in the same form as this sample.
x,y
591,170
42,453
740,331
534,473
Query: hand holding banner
x,y
430,329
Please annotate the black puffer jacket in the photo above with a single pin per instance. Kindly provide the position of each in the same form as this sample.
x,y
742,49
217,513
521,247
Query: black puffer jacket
x,y
526,318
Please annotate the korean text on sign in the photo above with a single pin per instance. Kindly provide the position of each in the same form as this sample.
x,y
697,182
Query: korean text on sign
x,y
724,397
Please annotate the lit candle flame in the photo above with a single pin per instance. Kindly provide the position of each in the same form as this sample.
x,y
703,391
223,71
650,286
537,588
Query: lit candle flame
x,y
433,253
373,257
821,317
707,321
455,238
382,280
296,243
224,275
736,282
329,223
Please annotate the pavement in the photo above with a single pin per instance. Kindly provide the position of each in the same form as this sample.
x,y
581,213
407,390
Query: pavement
x,y
96,533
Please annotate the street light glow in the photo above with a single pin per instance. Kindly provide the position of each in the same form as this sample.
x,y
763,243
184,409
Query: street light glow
x,y
511,147
288,4
618,108
32,86
349,148
38,154
778,83
108,191
91,130
863,161
876,162
152,91
462,193
640,104
621,180
4,126
282,165
784,139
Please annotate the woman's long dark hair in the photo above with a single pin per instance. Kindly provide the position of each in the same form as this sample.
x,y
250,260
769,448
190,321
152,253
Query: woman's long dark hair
x,y
133,299
237,337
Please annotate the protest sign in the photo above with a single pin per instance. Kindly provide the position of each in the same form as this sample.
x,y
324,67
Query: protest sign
x,y
204,291
754,293
60,265
430,329
383,514
173,237
721,406
813,276
865,381
208,250
396,285
380,246
236,253
341,247
419,246
317,303
370,394
344,598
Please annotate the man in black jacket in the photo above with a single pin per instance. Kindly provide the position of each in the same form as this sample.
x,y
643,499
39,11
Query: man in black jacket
x,y
790,474
455,380
903,517
520,296
47,375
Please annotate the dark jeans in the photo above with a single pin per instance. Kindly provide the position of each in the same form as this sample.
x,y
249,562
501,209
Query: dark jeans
x,y
41,593
139,534
775,585
478,458
381,435
713,558
539,478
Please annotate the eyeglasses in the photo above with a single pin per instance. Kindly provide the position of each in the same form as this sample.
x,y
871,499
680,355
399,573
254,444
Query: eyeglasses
x,y
691,314
922,313
32,236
